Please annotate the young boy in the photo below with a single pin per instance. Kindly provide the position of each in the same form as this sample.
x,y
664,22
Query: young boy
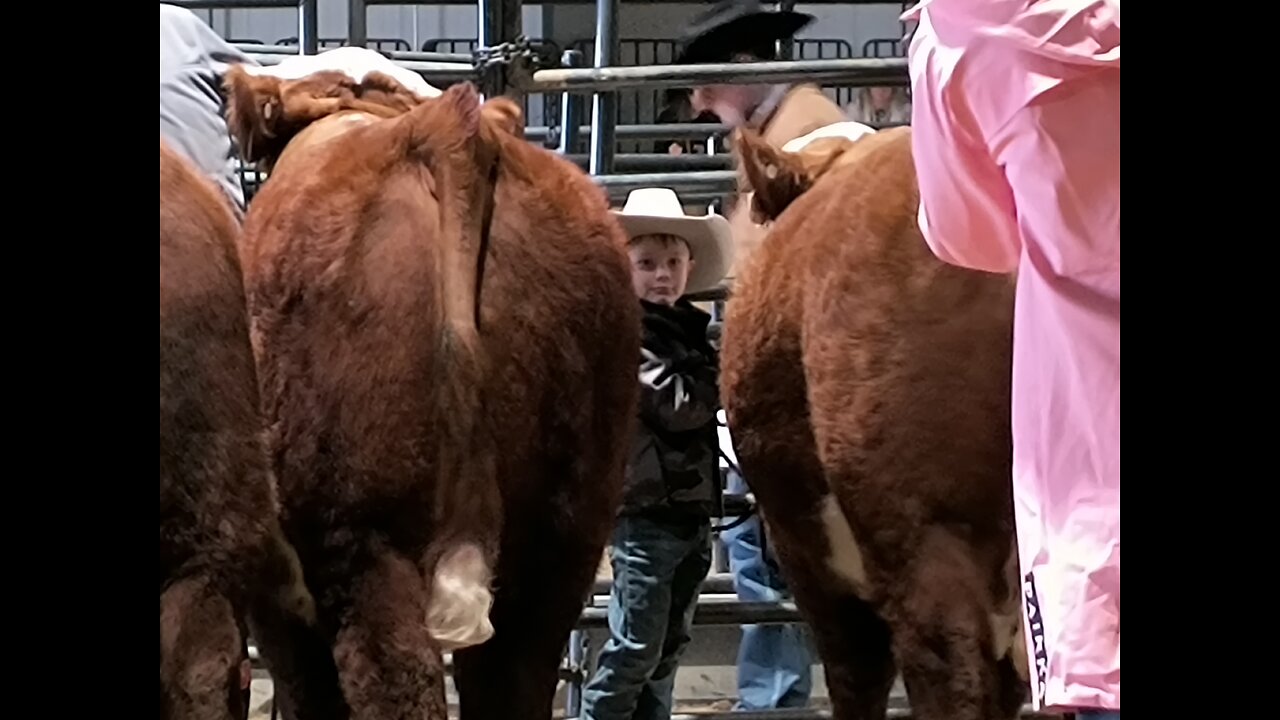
x,y
661,547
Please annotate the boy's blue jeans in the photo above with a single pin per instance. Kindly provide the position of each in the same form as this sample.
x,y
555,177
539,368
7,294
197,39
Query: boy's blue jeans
x,y
774,661
658,569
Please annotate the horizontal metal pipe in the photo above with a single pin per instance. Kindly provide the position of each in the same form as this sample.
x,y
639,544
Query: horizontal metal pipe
x,y
251,49
662,131
714,583
712,179
849,72
430,56
661,162
721,613
232,4
396,55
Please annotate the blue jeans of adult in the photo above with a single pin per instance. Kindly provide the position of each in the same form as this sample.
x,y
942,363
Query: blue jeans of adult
x,y
1097,715
658,568
774,661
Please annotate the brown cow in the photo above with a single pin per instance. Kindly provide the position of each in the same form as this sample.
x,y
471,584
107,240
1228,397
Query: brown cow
x,y
867,387
219,535
446,338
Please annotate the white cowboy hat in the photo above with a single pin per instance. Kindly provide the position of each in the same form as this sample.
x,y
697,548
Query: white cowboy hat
x,y
354,62
657,211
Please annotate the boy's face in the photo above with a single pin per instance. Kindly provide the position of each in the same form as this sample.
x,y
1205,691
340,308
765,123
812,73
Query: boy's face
x,y
660,267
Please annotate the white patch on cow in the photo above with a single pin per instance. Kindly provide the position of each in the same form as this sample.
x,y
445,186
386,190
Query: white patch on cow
x,y
458,615
354,62
846,557
848,129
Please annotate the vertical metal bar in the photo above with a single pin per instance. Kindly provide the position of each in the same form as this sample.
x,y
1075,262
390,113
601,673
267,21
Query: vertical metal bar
x,y
358,23
512,28
488,23
786,48
499,21
719,563
308,31
604,106
577,660
570,108
512,25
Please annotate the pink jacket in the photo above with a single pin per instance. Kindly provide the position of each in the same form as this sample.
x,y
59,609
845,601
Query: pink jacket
x,y
1016,132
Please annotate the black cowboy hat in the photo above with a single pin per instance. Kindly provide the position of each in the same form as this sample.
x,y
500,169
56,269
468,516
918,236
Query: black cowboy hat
x,y
733,26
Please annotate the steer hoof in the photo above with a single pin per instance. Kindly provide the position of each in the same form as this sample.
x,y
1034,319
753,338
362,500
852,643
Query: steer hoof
x,y
458,615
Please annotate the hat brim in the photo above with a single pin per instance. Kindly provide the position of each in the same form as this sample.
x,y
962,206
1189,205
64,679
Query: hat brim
x,y
709,237
741,34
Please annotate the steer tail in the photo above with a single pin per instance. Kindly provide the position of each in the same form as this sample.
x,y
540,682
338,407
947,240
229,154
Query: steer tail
x,y
446,134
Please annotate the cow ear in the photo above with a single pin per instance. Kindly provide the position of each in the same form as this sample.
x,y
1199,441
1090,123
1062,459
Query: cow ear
x,y
774,177
254,109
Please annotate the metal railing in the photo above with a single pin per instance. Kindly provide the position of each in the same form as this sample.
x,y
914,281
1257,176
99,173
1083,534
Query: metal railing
x,y
308,17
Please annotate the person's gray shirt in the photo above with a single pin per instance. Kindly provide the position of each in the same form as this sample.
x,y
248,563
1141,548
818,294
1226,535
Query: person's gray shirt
x,y
193,60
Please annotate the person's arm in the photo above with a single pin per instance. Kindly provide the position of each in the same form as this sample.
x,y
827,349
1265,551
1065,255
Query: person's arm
x,y
677,393
967,213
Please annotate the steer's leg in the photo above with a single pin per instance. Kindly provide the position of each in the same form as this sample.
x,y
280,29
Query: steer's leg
x,y
943,636
765,391
558,521
300,661
389,667
851,639
199,653
545,576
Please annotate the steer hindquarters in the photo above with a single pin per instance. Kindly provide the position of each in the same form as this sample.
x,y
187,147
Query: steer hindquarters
x,y
906,372
909,382
365,274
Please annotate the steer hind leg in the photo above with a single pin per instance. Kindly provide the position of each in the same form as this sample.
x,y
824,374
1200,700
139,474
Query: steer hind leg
x,y
943,637
200,646
553,538
853,642
390,667
300,661
543,587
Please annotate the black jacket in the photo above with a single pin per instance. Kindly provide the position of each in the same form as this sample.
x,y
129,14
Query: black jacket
x,y
673,467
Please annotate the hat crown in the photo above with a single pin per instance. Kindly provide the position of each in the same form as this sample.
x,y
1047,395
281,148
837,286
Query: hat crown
x,y
722,12
654,202
729,26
